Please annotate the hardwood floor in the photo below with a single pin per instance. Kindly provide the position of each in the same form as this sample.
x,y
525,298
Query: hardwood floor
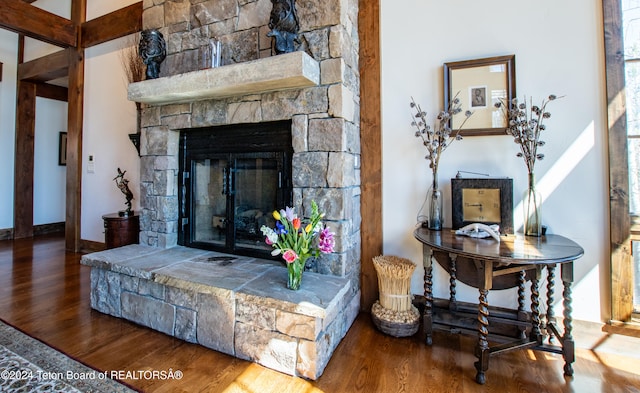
x,y
45,292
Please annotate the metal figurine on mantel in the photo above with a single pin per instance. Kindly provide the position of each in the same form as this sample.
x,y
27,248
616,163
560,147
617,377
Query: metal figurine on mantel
x,y
284,25
123,185
153,50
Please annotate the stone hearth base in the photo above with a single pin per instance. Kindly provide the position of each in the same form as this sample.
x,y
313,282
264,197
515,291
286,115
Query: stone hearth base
x,y
232,304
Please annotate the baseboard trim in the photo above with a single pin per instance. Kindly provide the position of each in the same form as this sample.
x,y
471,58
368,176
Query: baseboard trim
x,y
631,329
87,246
41,229
45,229
6,234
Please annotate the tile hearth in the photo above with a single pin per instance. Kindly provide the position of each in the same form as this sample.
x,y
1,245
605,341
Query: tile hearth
x,y
233,304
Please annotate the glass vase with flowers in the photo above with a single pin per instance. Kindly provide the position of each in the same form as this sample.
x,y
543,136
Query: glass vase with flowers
x,y
298,239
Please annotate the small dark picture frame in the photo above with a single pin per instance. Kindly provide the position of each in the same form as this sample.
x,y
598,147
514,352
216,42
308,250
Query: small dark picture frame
x,y
479,84
62,149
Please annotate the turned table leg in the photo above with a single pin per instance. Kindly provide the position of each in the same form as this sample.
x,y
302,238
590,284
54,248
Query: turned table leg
x,y
483,352
568,345
522,280
536,333
551,283
427,320
453,306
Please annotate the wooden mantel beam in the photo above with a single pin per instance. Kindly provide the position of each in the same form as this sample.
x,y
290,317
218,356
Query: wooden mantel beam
x,y
36,23
46,68
119,23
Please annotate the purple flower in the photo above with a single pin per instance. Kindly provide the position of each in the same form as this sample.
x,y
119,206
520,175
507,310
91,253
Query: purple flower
x,y
288,212
326,242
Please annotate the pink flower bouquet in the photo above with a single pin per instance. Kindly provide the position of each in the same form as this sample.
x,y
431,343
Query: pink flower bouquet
x,y
297,241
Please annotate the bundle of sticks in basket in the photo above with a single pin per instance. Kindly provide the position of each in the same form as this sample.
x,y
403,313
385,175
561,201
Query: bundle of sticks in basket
x,y
394,282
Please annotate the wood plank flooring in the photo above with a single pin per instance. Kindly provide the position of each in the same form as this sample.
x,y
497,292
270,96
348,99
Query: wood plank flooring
x,y
45,292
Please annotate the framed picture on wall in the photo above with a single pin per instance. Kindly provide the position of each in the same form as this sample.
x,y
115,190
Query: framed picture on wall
x,y
479,84
62,149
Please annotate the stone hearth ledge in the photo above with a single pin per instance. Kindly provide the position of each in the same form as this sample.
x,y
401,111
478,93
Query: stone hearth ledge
x,y
288,71
238,306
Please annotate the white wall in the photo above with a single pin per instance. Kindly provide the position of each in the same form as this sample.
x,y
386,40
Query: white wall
x,y
558,48
49,178
8,56
108,119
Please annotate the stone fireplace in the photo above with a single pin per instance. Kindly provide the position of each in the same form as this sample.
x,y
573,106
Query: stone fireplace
x,y
324,112
316,91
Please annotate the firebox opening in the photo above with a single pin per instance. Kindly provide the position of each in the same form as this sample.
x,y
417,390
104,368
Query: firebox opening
x,y
231,179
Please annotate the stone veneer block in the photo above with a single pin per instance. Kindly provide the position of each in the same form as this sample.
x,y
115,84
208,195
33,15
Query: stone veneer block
x,y
149,312
215,321
236,305
271,349
105,294
288,71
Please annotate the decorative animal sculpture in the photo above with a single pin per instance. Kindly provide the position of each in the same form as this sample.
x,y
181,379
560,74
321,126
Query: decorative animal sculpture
x,y
123,185
153,50
284,25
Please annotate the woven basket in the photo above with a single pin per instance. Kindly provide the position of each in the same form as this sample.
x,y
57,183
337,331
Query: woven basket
x,y
387,321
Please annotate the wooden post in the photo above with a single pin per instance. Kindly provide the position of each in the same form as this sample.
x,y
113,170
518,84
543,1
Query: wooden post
x,y
371,148
74,132
620,232
24,160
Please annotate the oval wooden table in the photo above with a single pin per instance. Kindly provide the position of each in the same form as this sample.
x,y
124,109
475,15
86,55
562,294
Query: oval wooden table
x,y
484,261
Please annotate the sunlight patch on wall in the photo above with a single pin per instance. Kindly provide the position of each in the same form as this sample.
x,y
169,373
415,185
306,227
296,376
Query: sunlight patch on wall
x,y
560,169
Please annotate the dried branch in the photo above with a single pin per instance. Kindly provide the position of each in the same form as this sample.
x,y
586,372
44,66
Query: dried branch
x,y
134,68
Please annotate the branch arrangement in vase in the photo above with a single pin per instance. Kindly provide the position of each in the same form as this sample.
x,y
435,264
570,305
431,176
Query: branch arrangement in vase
x,y
525,124
439,137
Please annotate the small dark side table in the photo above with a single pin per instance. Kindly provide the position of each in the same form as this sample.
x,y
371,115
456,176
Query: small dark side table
x,y
487,264
120,231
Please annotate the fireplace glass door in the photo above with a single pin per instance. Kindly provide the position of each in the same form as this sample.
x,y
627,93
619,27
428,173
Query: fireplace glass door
x,y
232,198
227,196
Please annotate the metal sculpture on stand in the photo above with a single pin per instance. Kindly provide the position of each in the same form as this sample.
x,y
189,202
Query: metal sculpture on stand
x,y
153,50
284,25
123,185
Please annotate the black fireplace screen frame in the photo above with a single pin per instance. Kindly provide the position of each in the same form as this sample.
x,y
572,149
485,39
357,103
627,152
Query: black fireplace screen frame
x,y
269,141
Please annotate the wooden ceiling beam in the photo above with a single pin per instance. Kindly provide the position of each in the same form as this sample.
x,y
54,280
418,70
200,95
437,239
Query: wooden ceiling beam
x,y
119,23
34,22
52,92
46,68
